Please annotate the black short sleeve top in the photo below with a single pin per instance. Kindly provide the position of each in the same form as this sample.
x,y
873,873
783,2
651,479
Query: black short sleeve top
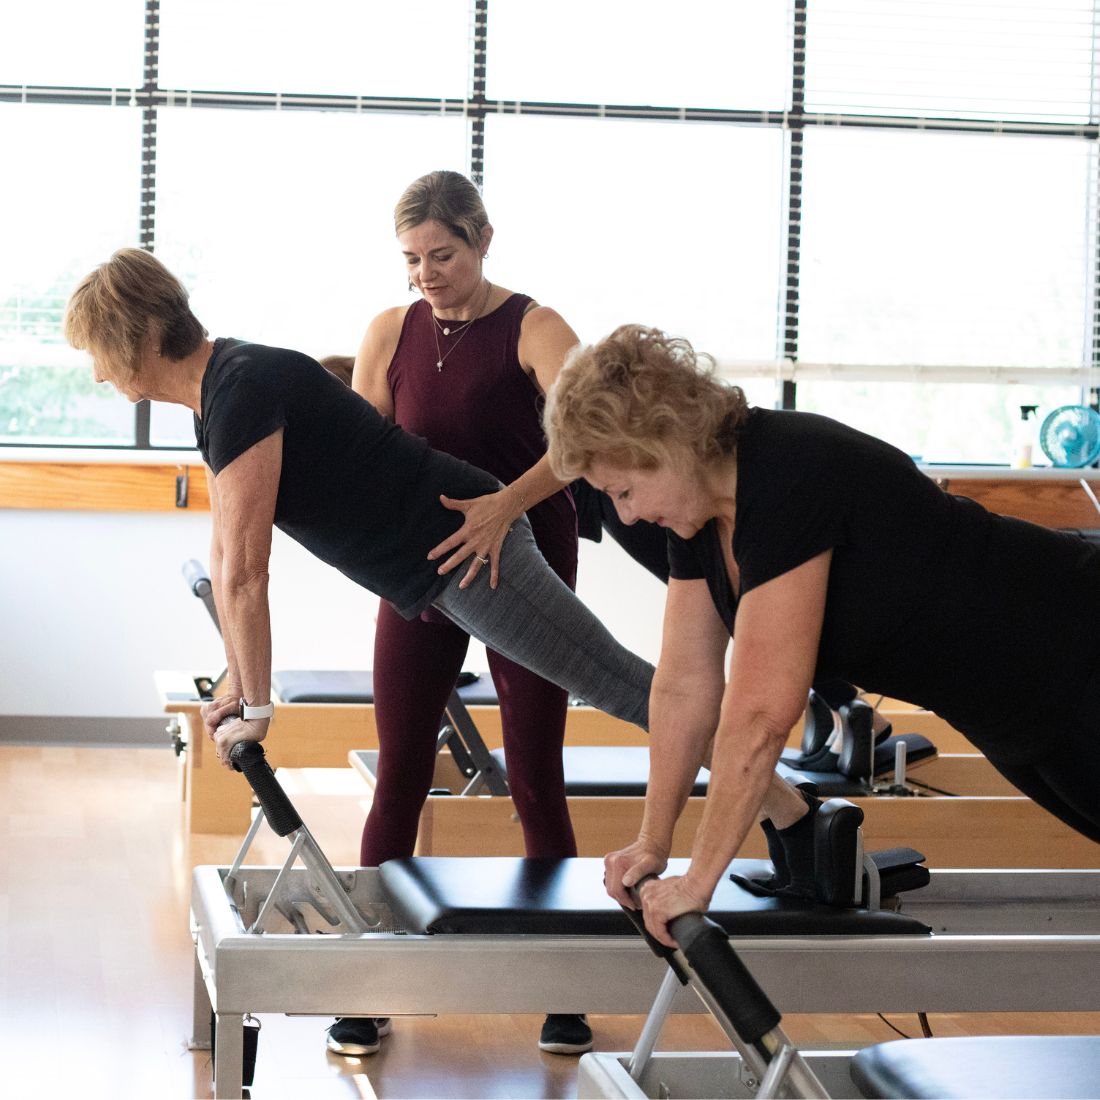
x,y
356,490
987,620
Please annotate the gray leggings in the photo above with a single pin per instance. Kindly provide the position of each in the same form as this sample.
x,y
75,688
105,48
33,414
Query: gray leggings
x,y
533,619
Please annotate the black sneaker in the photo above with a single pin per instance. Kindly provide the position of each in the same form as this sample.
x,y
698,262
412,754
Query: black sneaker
x,y
565,1034
357,1035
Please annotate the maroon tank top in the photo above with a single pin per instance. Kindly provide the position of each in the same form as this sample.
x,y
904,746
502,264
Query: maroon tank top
x,y
481,407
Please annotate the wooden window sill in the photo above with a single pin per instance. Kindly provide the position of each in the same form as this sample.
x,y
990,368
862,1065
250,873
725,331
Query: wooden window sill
x,y
102,486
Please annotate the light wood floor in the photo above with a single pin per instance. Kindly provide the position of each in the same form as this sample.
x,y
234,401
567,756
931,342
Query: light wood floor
x,y
96,959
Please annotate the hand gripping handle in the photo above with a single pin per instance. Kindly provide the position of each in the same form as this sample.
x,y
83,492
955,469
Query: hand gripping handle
x,y
249,757
717,966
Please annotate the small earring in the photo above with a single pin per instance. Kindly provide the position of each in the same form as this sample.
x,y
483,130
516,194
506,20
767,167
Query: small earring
x,y
411,287
485,255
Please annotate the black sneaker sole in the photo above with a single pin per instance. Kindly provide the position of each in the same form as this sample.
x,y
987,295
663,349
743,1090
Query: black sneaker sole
x,y
352,1050
566,1048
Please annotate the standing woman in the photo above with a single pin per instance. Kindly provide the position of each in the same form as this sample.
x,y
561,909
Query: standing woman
x,y
466,368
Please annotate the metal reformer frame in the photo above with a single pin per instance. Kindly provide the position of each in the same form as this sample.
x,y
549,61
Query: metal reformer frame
x,y
250,961
470,753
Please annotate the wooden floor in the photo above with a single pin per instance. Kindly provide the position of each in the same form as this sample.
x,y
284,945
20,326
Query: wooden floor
x,y
96,959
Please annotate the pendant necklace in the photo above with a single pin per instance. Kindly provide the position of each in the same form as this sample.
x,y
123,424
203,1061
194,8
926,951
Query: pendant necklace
x,y
446,328
462,330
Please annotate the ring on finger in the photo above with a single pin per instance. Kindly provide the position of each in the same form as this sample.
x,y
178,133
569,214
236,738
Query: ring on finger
x,y
484,561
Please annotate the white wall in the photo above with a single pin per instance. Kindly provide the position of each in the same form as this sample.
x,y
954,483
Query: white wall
x,y
91,603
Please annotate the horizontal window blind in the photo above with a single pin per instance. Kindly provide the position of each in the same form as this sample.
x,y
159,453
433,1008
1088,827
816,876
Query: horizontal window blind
x,y
819,192
1022,61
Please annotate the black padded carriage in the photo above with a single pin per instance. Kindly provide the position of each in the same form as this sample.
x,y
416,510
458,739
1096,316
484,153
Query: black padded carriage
x,y
503,896
354,686
1038,1067
608,771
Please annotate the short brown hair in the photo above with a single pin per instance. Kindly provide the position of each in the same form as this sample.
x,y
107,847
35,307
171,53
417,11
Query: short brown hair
x,y
113,307
340,365
445,197
639,399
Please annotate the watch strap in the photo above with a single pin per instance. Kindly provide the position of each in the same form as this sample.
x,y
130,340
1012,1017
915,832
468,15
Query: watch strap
x,y
265,711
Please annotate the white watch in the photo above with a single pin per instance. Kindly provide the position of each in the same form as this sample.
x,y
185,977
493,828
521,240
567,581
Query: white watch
x,y
247,712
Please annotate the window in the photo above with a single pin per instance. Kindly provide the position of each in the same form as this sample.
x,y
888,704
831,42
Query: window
x,y
337,47
305,197
695,53
628,231
883,210
69,197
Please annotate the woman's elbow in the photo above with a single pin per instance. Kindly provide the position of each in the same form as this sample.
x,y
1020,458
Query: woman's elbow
x,y
242,578
772,727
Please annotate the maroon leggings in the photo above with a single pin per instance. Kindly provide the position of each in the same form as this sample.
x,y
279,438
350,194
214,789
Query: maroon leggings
x,y
415,667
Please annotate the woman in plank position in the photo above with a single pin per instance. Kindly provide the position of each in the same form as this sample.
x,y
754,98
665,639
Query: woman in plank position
x,y
823,552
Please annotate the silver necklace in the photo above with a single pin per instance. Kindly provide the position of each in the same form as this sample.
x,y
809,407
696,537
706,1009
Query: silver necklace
x,y
446,329
437,328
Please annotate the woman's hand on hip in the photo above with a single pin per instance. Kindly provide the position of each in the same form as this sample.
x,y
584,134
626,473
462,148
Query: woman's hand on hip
x,y
488,519
628,866
233,730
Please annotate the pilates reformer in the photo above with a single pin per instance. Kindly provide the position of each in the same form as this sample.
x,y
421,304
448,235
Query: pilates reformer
x,y
968,816
840,755
320,718
766,1064
426,936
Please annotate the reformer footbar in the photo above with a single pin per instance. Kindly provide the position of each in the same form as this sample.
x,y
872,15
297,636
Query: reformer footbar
x,y
732,996
327,894
769,1065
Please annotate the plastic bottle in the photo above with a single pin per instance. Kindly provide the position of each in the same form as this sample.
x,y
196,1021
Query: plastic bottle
x,y
1022,457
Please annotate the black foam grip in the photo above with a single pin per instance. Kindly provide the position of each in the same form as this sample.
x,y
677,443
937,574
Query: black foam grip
x,y
726,977
249,758
658,948
198,580
637,918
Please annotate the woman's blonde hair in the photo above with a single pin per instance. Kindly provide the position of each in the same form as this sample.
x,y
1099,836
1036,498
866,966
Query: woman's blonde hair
x,y
639,399
115,305
445,197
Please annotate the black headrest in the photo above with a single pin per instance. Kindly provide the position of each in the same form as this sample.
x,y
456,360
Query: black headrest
x,y
817,726
838,867
856,759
